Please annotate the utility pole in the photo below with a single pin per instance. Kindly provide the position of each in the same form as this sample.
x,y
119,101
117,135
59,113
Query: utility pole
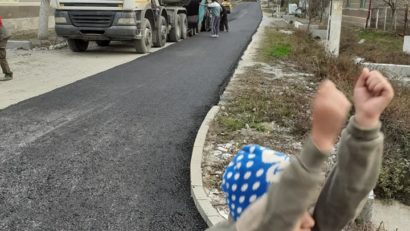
x,y
406,20
43,23
334,27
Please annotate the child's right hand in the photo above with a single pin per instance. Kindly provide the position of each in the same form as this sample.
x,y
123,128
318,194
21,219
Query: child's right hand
x,y
372,94
330,109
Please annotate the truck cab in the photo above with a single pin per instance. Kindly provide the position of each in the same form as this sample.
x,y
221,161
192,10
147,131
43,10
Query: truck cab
x,y
146,23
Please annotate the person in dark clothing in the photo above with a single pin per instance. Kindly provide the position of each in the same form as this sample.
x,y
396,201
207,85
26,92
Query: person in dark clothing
x,y
224,19
4,36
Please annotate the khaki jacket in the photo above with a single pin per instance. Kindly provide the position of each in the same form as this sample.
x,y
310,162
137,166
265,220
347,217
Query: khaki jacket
x,y
338,202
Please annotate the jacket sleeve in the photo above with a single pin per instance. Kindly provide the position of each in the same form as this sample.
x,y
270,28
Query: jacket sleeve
x,y
297,189
353,177
287,199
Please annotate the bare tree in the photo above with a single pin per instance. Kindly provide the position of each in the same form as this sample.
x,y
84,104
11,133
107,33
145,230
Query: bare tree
x,y
322,8
312,10
406,19
394,5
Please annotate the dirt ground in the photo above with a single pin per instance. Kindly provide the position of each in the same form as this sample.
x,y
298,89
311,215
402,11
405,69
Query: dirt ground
x,y
232,127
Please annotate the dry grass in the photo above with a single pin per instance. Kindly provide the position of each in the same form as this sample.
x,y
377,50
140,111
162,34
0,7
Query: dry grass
x,y
394,182
264,100
261,102
379,47
364,227
260,98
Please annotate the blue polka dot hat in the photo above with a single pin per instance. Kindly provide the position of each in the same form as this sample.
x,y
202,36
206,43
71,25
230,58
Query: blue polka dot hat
x,y
249,175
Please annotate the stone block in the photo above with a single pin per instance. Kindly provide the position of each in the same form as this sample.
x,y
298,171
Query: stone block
x,y
406,44
316,33
19,44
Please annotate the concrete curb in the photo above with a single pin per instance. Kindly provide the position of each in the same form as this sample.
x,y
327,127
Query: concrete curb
x,y
19,44
202,201
395,70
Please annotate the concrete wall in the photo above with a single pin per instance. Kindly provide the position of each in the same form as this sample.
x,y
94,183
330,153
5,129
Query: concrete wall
x,y
16,25
22,15
354,21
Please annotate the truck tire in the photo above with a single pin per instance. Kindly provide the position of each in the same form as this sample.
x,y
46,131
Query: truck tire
x,y
103,43
183,22
144,44
77,45
160,35
175,33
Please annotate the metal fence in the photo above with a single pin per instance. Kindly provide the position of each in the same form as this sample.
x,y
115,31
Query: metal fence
x,y
381,18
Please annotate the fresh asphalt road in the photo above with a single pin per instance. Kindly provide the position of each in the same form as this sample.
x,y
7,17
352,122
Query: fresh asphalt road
x,y
112,151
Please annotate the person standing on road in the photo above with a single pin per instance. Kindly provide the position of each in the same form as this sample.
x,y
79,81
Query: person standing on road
x,y
224,19
4,36
215,11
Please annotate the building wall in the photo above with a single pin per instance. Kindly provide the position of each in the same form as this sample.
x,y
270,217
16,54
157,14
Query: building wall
x,y
355,11
22,15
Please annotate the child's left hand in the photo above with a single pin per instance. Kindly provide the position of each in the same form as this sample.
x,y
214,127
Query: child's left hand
x,y
305,223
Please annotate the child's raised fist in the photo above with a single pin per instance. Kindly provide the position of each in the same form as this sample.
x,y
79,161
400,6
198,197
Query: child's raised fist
x,y
372,94
330,109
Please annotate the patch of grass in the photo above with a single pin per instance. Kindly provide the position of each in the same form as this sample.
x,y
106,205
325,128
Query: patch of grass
x,y
275,45
384,40
258,127
281,50
231,123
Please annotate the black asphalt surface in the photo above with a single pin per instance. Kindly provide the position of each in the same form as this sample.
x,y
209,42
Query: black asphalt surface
x,y
112,152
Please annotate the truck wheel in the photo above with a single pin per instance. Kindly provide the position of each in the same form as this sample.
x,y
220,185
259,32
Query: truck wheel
x,y
144,44
183,22
103,43
160,35
77,45
175,33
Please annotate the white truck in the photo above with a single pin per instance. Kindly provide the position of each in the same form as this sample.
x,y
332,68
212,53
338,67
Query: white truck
x,y
146,23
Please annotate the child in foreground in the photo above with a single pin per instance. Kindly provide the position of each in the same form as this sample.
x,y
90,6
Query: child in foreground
x,y
262,197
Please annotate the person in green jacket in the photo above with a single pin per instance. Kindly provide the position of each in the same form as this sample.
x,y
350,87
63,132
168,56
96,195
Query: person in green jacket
x,y
285,204
4,36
